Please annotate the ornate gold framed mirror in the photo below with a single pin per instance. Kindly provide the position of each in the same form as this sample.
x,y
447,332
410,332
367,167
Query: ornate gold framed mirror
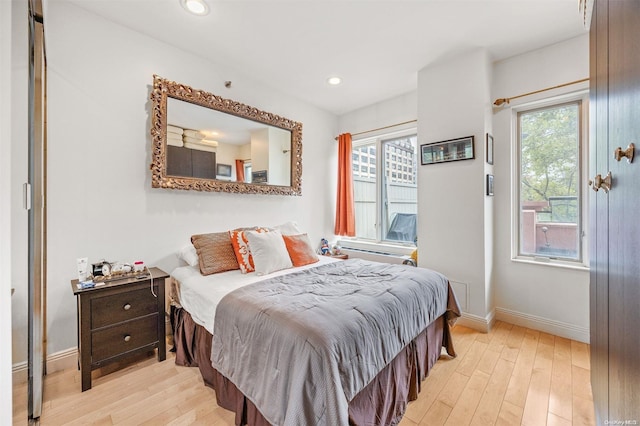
x,y
203,142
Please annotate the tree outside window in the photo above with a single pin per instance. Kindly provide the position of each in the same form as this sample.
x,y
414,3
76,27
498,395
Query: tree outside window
x,y
549,201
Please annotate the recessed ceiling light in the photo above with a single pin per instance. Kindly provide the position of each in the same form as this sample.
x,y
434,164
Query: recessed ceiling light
x,y
334,81
197,7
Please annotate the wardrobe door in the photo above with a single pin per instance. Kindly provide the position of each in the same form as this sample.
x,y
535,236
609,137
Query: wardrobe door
x,y
624,211
615,226
598,211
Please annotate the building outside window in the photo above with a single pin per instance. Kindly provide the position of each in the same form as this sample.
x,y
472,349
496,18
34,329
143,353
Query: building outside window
x,y
549,200
385,199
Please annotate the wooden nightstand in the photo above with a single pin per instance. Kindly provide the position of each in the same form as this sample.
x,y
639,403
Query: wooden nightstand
x,y
119,318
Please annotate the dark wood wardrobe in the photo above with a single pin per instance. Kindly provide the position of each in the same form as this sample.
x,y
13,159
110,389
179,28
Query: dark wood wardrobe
x,y
615,215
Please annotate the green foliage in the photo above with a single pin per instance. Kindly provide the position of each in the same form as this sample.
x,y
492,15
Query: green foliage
x,y
549,155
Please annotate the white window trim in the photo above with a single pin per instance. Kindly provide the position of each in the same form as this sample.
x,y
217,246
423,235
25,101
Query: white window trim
x,y
379,244
583,264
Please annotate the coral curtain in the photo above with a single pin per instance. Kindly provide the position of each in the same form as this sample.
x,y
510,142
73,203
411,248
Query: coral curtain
x,y
345,206
239,170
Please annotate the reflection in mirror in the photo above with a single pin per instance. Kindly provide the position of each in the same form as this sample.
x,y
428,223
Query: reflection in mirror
x,y
204,142
209,144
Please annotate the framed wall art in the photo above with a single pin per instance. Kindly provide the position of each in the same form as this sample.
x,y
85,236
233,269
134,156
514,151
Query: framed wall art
x,y
223,170
489,149
259,176
489,185
445,151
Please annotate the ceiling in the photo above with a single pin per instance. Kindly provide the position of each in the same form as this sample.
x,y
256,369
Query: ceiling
x,y
377,47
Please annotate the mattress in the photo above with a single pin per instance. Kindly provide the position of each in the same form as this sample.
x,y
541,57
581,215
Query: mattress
x,y
200,294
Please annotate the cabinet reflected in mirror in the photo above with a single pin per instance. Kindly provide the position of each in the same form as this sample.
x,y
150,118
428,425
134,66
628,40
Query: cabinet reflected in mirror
x,y
204,142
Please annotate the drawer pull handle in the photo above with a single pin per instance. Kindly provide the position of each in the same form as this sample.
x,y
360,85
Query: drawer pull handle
x,y
126,307
127,338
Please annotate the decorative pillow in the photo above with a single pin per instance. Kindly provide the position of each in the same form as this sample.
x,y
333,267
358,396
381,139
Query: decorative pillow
x,y
215,253
288,228
189,255
241,248
268,251
300,249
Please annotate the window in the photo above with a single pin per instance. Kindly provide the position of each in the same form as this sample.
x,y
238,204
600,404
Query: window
x,y
386,201
550,146
247,171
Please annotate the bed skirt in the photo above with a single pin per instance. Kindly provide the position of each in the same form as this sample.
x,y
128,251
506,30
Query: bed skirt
x,y
381,402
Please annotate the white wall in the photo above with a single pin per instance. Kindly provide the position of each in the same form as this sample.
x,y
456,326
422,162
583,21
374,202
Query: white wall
x,y
279,160
260,150
545,297
227,153
388,112
453,102
101,204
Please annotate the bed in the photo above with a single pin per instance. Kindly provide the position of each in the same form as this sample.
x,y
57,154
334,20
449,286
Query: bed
x,y
333,342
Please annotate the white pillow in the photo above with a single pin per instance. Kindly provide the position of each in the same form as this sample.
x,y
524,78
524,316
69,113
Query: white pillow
x,y
189,255
288,228
269,251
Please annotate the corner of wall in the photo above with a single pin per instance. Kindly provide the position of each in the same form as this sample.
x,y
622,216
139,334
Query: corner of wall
x,y
453,101
476,322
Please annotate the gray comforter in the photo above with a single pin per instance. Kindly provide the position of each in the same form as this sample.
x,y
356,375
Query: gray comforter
x,y
301,346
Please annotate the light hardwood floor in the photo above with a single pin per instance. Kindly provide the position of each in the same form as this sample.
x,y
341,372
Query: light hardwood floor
x,y
509,376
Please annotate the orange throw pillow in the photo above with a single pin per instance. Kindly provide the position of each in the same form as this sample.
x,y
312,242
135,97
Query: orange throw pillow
x,y
240,245
300,250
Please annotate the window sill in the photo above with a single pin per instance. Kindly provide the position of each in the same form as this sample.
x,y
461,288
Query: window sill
x,y
543,261
379,247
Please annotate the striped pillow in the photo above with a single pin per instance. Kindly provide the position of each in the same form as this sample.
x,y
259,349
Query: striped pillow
x,y
215,253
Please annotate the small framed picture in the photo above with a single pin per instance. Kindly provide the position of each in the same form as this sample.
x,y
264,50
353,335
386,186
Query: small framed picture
x,y
445,151
259,176
223,170
489,149
489,185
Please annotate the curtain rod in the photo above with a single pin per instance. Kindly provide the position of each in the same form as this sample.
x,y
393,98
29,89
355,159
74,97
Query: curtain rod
x,y
501,101
381,128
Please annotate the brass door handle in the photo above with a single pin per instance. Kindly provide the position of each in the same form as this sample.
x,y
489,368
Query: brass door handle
x,y
619,153
599,183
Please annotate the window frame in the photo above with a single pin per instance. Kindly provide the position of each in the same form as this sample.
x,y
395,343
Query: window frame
x,y
582,97
378,141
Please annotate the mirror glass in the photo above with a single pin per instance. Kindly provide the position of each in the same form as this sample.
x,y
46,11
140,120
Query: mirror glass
x,y
204,142
224,143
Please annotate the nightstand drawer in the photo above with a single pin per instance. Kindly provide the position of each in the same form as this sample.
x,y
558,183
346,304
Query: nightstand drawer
x,y
123,338
120,307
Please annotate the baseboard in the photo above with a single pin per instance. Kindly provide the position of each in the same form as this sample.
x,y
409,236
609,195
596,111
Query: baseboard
x,y
55,362
62,360
558,328
483,324
58,361
19,373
